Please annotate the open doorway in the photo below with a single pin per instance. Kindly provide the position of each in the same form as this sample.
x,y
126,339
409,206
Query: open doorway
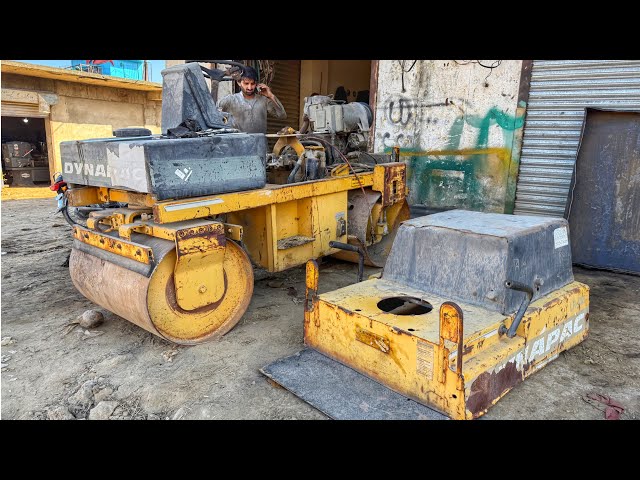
x,y
344,80
25,156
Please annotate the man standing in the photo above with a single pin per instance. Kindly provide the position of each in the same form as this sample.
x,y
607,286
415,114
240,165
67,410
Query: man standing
x,y
251,106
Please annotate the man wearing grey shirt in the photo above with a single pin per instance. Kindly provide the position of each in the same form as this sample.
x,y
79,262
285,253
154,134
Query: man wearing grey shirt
x,y
251,106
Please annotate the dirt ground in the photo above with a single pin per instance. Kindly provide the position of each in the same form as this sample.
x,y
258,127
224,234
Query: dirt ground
x,y
131,374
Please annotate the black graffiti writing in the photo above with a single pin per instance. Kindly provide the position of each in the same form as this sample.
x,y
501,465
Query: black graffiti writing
x,y
399,140
399,112
402,110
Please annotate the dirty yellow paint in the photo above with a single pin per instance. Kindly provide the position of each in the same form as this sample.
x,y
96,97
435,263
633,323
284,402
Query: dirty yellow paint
x,y
134,251
288,224
452,360
26,193
199,273
200,289
166,318
172,211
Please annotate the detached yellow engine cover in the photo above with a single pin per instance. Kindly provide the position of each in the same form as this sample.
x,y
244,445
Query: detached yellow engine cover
x,y
468,305
409,354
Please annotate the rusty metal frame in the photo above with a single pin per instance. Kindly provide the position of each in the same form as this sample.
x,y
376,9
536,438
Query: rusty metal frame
x,y
390,180
134,251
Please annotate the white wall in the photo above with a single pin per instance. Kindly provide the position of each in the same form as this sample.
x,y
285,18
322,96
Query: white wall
x,y
452,113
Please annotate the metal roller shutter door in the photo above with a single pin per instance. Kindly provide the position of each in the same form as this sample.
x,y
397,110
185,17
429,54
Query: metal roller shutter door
x,y
560,91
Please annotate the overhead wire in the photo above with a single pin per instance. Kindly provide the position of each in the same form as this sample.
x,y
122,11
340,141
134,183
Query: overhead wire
x,y
495,64
402,65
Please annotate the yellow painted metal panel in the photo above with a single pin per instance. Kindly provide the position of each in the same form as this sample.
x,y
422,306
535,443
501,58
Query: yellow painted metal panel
x,y
254,221
364,297
134,251
198,273
287,213
331,208
552,324
173,211
413,355
23,193
272,237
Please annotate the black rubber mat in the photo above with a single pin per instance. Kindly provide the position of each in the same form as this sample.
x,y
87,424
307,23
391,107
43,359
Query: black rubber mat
x,y
342,393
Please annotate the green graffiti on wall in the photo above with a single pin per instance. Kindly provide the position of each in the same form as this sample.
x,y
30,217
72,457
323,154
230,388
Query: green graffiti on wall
x,y
476,178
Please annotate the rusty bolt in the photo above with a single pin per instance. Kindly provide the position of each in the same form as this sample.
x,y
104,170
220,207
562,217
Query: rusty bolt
x,y
202,289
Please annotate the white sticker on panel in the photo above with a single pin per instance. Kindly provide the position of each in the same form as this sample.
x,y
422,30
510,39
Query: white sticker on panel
x,y
560,237
424,356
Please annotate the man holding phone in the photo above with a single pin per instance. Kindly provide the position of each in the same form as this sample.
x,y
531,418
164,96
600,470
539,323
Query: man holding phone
x,y
252,104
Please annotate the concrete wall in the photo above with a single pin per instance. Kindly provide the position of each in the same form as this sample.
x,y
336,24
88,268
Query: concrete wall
x,y
88,111
459,126
324,76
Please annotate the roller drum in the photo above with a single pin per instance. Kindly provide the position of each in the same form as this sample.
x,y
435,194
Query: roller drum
x,y
150,301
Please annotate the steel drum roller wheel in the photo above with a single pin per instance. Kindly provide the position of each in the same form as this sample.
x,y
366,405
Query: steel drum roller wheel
x,y
151,303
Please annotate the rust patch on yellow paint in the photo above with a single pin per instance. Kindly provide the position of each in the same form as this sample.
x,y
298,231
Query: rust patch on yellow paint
x,y
468,349
134,251
390,180
490,386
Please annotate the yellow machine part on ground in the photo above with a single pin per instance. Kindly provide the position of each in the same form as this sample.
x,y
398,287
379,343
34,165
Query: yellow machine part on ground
x,y
427,357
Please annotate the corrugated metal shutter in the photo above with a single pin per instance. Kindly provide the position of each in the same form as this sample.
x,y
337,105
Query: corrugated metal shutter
x,y
286,86
560,90
21,110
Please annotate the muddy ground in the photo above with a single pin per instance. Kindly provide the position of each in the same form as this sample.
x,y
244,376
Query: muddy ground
x,y
129,373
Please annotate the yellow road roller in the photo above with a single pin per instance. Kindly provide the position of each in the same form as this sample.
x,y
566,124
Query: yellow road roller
x,y
191,211
468,305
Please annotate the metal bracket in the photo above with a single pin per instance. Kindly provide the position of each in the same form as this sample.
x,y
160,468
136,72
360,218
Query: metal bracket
x,y
234,232
451,329
134,251
311,293
199,273
114,218
341,225
292,141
